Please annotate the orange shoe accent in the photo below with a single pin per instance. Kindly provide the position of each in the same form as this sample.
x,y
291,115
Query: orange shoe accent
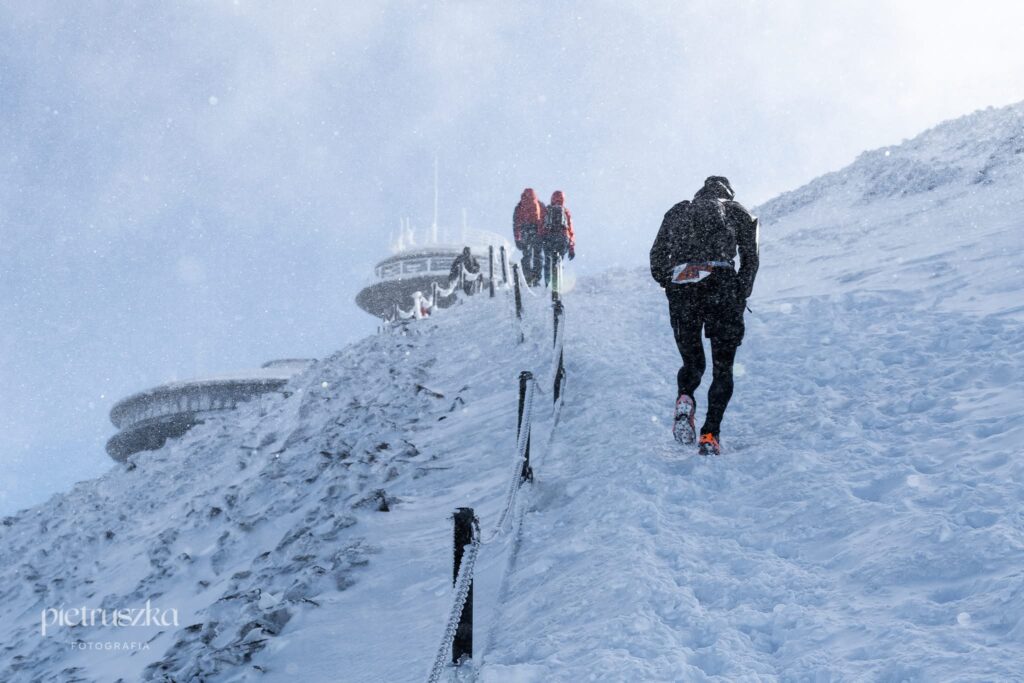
x,y
710,440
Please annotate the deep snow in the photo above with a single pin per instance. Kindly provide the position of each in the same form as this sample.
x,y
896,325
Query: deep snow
x,y
864,522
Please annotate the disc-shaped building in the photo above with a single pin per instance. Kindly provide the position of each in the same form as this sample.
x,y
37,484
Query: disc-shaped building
x,y
146,420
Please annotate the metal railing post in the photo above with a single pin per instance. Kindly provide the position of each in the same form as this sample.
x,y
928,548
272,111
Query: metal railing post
x,y
504,265
490,260
559,376
556,277
462,644
525,377
558,311
519,296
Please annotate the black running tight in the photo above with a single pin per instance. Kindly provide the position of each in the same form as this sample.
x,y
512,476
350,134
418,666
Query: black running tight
x,y
688,379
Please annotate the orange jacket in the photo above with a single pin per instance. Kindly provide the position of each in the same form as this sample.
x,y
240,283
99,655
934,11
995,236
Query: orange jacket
x,y
527,212
558,199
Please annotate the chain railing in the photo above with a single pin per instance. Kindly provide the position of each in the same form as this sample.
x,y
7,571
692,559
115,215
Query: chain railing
x,y
463,586
457,641
424,307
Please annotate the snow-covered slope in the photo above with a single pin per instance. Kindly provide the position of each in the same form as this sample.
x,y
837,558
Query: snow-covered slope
x,y
259,516
864,524
939,215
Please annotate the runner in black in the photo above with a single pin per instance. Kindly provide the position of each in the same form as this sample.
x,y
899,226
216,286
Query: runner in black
x,y
693,258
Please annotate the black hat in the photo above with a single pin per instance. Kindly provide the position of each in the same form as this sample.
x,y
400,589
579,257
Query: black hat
x,y
719,185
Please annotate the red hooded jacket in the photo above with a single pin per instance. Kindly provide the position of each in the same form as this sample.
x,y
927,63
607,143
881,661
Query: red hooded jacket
x,y
527,212
558,199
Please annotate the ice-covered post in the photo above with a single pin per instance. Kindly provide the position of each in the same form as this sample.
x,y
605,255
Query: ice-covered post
x,y
525,377
504,266
559,376
556,277
490,261
558,312
462,644
519,296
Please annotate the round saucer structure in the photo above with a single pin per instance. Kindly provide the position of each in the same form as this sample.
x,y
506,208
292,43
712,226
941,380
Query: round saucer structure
x,y
147,419
415,268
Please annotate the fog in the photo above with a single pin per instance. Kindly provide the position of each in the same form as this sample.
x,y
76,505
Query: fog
x,y
194,188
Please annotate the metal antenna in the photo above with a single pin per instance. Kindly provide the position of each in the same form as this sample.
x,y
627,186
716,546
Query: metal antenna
x,y
433,228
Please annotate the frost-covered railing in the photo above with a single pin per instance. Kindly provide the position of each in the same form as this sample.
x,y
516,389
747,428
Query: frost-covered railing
x,y
423,306
458,632
558,315
190,397
457,641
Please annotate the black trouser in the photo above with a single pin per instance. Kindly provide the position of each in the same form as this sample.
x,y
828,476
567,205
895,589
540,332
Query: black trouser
x,y
714,305
554,245
533,257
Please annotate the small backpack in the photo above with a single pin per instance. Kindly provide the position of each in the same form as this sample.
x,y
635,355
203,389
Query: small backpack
x,y
557,221
702,232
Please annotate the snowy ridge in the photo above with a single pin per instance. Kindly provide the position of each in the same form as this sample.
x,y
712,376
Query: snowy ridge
x,y
900,219
984,148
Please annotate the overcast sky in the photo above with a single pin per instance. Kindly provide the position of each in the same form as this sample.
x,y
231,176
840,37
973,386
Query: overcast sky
x,y
195,188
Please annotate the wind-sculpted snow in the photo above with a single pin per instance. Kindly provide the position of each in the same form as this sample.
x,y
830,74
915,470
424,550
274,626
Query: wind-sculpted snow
x,y
900,219
984,148
242,525
863,524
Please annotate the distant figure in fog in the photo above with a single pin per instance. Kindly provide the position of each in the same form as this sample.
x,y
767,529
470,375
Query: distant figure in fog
x,y
468,261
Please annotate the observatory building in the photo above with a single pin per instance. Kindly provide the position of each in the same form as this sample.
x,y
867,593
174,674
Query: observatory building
x,y
414,267
147,419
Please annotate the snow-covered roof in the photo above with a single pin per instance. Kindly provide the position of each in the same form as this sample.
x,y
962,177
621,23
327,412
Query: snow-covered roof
x,y
272,374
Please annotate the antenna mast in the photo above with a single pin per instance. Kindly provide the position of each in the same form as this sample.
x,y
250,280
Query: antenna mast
x,y
433,228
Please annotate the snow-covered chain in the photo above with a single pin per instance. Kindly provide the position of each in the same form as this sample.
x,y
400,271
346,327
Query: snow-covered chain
x,y
517,470
422,306
462,583
465,576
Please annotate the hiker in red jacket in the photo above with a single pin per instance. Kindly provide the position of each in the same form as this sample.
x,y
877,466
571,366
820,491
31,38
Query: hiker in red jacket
x,y
527,226
558,235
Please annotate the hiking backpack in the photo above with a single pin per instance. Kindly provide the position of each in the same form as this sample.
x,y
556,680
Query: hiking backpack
x,y
702,232
693,232
557,222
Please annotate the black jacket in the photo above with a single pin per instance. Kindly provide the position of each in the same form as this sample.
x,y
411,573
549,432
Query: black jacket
x,y
668,250
471,265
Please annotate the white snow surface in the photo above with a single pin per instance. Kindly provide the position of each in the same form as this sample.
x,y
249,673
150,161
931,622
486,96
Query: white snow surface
x,y
864,522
